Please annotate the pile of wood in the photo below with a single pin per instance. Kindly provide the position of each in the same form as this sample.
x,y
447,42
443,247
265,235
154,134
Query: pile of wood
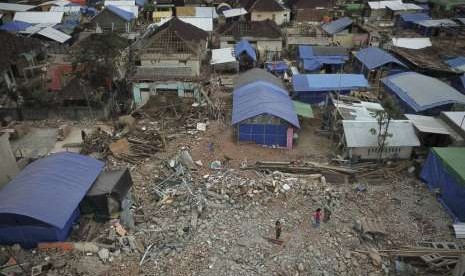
x,y
373,172
134,149
97,142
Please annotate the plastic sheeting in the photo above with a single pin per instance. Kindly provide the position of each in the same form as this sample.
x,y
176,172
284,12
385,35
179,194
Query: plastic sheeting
x,y
328,82
56,182
15,26
259,98
414,17
244,47
444,169
279,66
317,62
125,15
457,63
374,57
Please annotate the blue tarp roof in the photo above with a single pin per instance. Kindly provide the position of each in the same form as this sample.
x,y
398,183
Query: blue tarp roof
x,y
279,66
422,92
305,51
337,25
15,26
317,62
141,3
414,16
456,62
125,15
244,46
262,98
50,189
374,57
328,82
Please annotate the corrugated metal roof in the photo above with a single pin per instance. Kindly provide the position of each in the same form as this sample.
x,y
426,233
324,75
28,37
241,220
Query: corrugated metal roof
x,y
412,43
257,74
15,7
120,3
15,26
259,98
328,82
359,111
59,3
459,230
456,117
121,12
337,26
379,5
428,124
39,17
374,57
54,34
361,134
33,29
414,16
50,189
223,55
67,9
422,92
234,12
436,23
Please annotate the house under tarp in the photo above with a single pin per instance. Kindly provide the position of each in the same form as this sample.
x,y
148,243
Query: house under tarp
x,y
245,54
41,203
106,195
444,173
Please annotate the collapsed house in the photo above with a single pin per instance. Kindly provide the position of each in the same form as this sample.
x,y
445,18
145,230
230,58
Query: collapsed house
x,y
313,88
168,60
263,112
444,174
265,36
314,11
423,95
29,203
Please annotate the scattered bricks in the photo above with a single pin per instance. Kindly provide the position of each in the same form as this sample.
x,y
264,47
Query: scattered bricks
x,y
64,246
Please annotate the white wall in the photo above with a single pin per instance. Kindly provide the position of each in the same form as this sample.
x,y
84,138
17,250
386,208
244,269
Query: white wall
x,y
278,17
389,153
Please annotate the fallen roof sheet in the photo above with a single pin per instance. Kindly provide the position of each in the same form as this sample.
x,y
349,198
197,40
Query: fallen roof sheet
x,y
457,63
328,82
15,26
374,57
234,12
414,16
244,47
53,34
436,23
359,134
33,29
39,17
412,43
337,26
420,92
15,7
56,182
259,98
223,55
428,124
360,111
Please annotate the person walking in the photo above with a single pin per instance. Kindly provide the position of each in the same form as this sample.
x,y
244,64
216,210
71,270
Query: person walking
x,y
278,229
317,217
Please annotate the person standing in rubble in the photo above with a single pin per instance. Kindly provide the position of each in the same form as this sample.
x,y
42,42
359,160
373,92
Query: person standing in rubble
x,y
83,135
327,209
317,217
278,229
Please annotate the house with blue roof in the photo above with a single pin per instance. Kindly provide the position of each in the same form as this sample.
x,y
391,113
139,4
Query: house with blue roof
x,y
314,88
114,19
29,202
245,54
263,112
422,95
331,59
376,63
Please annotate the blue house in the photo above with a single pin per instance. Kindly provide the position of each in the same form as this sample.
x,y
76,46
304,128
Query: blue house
x,y
313,88
41,203
263,113
422,95
314,58
374,63
444,172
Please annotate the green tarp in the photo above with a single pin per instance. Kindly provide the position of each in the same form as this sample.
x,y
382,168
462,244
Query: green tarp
x,y
454,160
303,109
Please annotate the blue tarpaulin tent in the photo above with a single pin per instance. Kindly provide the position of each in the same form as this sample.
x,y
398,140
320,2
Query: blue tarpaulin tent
x,y
244,47
337,26
41,203
444,171
15,26
374,57
312,88
418,94
264,99
279,66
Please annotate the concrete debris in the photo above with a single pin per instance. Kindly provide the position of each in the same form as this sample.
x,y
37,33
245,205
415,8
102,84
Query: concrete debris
x,y
104,254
